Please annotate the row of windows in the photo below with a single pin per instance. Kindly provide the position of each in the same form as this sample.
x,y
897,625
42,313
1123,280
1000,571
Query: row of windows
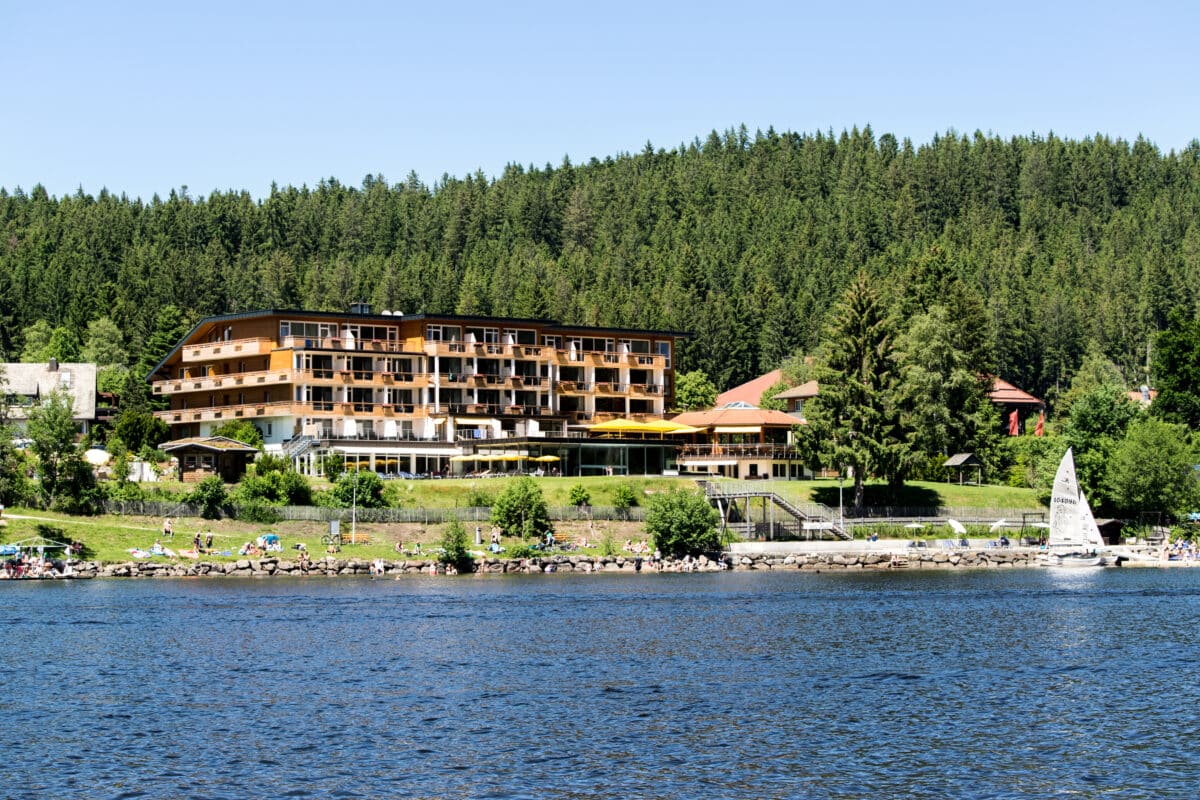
x,y
330,330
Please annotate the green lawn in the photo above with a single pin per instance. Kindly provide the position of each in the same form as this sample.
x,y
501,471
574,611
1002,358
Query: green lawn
x,y
110,537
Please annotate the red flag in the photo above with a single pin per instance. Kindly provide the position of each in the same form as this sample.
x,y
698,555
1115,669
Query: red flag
x,y
1014,423
1041,424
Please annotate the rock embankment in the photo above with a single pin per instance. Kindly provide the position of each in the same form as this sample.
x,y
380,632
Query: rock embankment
x,y
328,567
273,567
914,559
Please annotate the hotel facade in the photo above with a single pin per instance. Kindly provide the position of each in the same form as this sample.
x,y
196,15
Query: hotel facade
x,y
408,393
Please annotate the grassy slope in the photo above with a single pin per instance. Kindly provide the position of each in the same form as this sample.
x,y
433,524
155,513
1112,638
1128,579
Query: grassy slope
x,y
109,537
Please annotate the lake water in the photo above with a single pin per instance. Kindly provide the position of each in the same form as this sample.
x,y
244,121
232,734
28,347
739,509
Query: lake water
x,y
1023,683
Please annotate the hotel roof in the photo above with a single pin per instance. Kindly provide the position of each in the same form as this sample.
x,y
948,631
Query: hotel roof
x,y
751,391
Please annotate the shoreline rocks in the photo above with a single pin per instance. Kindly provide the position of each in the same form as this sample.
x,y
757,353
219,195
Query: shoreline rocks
x,y
564,563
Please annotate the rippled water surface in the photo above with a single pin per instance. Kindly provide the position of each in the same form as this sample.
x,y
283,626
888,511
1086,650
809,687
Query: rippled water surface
x,y
1020,683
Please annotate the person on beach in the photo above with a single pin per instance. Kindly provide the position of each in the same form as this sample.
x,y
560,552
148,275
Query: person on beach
x,y
302,560
196,543
168,530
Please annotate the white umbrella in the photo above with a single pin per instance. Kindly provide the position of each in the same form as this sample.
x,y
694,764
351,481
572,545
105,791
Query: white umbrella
x,y
96,457
956,526
997,525
914,526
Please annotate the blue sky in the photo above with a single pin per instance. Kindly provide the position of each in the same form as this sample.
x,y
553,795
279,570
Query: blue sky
x,y
145,97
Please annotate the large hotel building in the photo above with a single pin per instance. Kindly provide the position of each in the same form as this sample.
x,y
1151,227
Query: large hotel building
x,y
420,393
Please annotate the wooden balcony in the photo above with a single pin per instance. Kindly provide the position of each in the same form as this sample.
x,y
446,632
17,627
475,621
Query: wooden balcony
x,y
338,343
222,413
239,380
645,389
234,348
646,361
612,389
431,348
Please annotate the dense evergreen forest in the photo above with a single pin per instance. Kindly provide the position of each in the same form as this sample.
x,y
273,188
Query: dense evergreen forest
x,y
746,241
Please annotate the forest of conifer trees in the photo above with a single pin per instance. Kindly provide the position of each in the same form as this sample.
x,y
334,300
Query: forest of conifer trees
x,y
746,241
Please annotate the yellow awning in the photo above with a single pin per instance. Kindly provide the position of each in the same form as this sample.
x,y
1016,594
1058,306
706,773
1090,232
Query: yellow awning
x,y
738,429
662,426
547,458
460,459
618,426
682,429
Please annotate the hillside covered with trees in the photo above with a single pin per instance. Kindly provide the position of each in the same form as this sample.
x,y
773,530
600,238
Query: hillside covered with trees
x,y
748,241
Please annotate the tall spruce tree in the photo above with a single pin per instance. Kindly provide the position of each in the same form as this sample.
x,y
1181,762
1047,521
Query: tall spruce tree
x,y
857,405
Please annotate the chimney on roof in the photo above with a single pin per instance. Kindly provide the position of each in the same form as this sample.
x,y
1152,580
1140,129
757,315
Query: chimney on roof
x,y
54,365
360,308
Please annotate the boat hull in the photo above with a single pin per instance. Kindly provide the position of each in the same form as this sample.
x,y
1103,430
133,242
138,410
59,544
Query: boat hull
x,y
1074,560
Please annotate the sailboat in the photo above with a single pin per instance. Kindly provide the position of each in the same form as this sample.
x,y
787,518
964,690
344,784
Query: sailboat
x,y
1075,539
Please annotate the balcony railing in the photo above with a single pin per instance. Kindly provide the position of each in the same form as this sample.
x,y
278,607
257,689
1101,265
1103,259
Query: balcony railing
x,y
234,348
208,383
339,343
434,348
777,452
213,413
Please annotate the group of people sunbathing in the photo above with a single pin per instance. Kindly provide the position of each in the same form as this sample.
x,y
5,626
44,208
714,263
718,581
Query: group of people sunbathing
x,y
22,566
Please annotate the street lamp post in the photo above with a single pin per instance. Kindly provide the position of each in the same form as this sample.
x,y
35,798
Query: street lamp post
x,y
354,509
841,505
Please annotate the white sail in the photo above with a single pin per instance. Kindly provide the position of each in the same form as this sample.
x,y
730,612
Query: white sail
x,y
1087,524
1065,524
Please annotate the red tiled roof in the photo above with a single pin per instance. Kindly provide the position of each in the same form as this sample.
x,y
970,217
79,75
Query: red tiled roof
x,y
735,416
802,392
751,391
1004,393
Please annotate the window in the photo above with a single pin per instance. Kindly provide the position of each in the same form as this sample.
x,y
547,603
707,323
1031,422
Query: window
x,y
553,341
307,330
443,333
664,350
522,336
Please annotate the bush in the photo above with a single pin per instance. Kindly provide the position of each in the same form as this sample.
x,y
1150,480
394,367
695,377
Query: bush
x,y
454,547
478,498
608,544
210,495
580,495
269,462
368,494
521,551
683,523
623,499
242,430
333,465
520,510
281,488
257,511
124,491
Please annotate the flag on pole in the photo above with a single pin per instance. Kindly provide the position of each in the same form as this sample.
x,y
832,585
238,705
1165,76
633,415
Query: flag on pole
x,y
1040,430
1014,423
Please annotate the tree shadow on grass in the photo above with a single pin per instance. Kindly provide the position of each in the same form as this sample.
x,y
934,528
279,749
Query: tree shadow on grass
x,y
880,494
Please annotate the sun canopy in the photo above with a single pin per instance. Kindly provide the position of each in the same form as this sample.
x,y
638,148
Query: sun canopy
x,y
619,426
684,429
547,458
